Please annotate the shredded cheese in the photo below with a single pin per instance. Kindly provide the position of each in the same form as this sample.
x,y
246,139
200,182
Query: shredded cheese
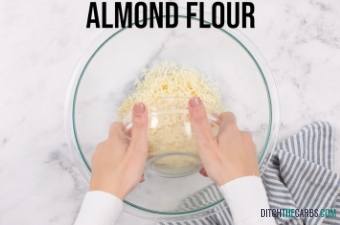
x,y
165,89
170,80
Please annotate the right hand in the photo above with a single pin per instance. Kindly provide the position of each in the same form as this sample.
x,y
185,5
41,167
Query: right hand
x,y
230,155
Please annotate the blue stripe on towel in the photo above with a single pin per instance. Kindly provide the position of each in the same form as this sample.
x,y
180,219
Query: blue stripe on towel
x,y
299,175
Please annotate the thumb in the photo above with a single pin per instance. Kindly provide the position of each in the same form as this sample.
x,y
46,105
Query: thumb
x,y
139,128
200,126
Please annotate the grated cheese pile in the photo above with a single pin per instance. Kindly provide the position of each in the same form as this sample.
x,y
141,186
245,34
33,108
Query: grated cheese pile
x,y
170,80
165,89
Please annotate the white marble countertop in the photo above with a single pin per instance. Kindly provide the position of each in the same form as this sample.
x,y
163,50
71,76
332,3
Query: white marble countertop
x,y
40,44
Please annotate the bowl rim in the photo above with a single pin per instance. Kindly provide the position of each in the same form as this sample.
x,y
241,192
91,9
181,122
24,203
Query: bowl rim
x,y
234,34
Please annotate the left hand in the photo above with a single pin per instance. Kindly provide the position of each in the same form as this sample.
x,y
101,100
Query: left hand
x,y
118,162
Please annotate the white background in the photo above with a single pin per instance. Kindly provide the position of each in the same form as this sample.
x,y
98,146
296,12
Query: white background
x,y
40,43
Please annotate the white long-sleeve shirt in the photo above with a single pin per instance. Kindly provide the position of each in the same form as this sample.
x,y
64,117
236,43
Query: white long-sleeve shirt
x,y
245,196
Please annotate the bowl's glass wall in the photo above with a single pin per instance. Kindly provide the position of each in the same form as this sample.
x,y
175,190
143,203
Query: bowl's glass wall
x,y
111,71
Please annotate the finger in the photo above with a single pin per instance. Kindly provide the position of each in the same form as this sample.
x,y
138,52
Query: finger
x,y
227,126
128,132
199,119
226,119
139,128
99,148
201,127
142,179
203,172
116,129
248,139
117,136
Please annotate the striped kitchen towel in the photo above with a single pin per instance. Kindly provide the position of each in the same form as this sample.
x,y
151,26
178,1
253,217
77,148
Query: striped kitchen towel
x,y
299,175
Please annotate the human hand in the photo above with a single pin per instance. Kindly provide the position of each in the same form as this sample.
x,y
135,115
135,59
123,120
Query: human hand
x,y
118,162
230,155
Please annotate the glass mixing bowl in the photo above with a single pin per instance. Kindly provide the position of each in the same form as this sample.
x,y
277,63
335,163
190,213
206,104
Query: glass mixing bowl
x,y
109,71
172,146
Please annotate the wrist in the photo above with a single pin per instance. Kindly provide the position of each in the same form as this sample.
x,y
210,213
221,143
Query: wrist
x,y
223,179
113,189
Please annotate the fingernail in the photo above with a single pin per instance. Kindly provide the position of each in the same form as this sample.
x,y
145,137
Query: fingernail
x,y
195,101
139,108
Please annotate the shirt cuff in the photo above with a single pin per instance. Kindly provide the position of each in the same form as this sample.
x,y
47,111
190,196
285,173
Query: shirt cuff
x,y
99,208
246,197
